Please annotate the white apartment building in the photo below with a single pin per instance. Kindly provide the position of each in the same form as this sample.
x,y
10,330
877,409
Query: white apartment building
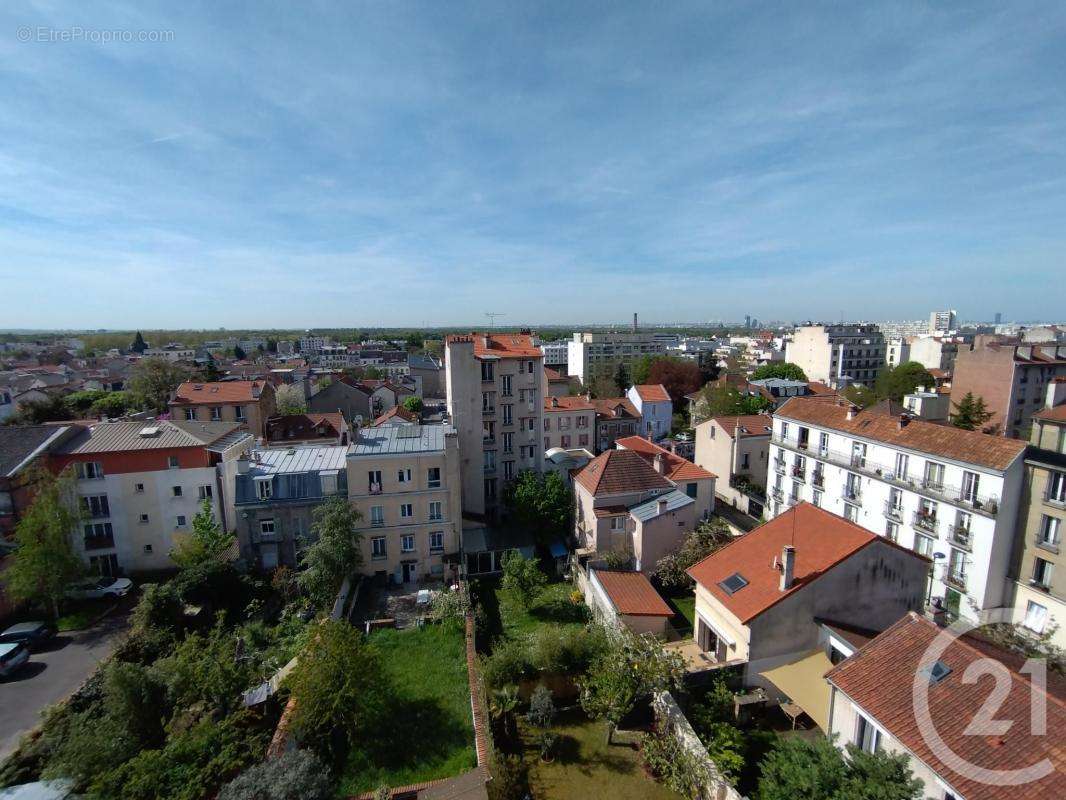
x,y
589,353
556,354
897,351
942,321
949,494
935,352
495,387
311,345
171,352
838,355
140,484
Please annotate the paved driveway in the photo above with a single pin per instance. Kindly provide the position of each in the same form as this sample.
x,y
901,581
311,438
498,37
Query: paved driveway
x,y
51,675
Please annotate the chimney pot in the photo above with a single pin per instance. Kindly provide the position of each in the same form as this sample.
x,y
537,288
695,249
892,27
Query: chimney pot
x,y
660,464
852,411
788,567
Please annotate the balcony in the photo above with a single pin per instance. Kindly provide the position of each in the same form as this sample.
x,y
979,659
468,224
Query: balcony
x,y
852,495
99,542
799,474
746,486
925,522
488,441
488,409
956,580
779,465
777,495
374,488
893,511
818,480
960,536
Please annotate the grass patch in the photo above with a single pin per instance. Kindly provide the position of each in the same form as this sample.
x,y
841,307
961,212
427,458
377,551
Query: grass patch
x,y
552,606
686,607
585,766
427,732
80,614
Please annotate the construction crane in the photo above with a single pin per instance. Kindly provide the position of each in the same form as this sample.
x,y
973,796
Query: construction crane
x,y
492,317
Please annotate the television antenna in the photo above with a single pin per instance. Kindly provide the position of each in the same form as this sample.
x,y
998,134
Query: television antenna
x,y
492,317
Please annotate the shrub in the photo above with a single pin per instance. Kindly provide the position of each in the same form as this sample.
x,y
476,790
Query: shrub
x,y
673,764
205,668
715,706
616,559
135,698
87,745
450,606
297,775
510,780
523,576
554,648
541,708
726,746
508,664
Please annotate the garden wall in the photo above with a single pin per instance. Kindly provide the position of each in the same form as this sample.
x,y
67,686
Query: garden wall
x,y
669,715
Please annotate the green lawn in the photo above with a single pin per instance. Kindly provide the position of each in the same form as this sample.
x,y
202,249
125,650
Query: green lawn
x,y
586,767
553,605
428,732
79,614
686,606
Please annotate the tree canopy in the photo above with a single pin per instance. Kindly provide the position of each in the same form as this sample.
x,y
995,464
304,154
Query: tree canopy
x,y
621,378
708,537
679,376
894,382
336,551
541,503
138,345
289,399
413,404
970,413
523,576
207,542
781,369
153,380
721,400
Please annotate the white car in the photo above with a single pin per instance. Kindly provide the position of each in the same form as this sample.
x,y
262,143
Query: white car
x,y
12,656
94,588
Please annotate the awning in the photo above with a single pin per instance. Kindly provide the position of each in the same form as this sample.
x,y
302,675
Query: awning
x,y
802,680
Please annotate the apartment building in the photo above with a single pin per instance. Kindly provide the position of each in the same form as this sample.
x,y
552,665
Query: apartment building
x,y
736,449
656,409
935,352
838,355
942,321
569,422
616,417
946,493
897,351
171,352
495,388
556,354
250,403
140,484
276,491
1039,566
589,354
1012,379
405,481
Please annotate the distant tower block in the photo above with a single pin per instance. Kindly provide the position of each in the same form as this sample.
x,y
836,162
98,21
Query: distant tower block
x,y
634,320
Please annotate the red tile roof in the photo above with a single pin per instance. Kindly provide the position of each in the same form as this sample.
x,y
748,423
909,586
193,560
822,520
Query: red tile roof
x,y
822,540
677,468
972,447
1056,414
502,345
880,679
575,403
652,393
615,408
395,411
633,594
554,375
220,392
619,472
305,426
749,424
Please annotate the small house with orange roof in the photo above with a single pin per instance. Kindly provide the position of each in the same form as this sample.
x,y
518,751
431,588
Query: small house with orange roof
x,y
695,481
248,402
656,409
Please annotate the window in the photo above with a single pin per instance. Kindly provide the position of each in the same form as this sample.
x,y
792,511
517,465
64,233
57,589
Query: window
x,y
96,505
1049,535
180,520
508,414
547,423
851,513
488,460
436,541
816,498
138,488
148,548
583,440
98,530
823,443
329,482
377,515
508,469
529,367
1035,617
970,482
90,470
858,454
618,524
1056,487
1042,572
407,543
508,447
957,567
264,489
240,413
377,548
891,531
867,737
433,475
488,401
176,491
506,387
403,475
934,475
784,430
172,462
487,373
490,488
216,413
144,519
564,440
204,492
374,481
190,414
923,545
744,461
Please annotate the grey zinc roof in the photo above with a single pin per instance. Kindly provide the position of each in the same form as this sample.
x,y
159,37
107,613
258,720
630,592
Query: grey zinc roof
x,y
291,460
17,443
650,509
109,437
399,439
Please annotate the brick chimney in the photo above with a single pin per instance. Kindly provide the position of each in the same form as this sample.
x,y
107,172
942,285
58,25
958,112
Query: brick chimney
x,y
788,567
660,463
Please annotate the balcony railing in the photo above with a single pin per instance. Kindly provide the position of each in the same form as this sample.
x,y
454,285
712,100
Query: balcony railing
x,y
799,474
779,465
987,505
745,486
99,542
851,494
818,480
960,536
925,522
893,511
777,494
956,580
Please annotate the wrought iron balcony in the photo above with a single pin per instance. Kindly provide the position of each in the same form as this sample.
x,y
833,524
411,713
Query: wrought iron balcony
x,y
960,536
956,580
851,494
779,465
925,522
893,511
99,542
777,494
799,474
818,479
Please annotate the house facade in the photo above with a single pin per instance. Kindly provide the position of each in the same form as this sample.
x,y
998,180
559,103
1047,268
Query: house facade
x,y
250,403
656,410
737,450
569,422
838,355
948,494
693,480
616,418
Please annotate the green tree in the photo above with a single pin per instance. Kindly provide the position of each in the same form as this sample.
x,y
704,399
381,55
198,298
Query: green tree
x,y
139,345
290,399
45,561
238,353
725,745
339,689
781,369
413,404
541,504
136,697
207,542
878,776
210,371
207,668
272,345
621,378
80,402
641,369
112,404
295,775
970,413
723,400
336,552
153,380
541,712
632,667
523,576
894,382
709,536
414,341
37,412
862,396
374,373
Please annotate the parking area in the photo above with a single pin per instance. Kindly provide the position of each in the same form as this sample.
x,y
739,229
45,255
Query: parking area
x,y
51,675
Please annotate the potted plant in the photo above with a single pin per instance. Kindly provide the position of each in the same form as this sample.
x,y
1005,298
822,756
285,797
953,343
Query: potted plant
x,y
546,742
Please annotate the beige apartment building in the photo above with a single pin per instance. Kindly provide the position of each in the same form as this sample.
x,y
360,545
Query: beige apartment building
x,y
569,422
405,481
592,353
495,392
838,355
249,402
736,449
1039,568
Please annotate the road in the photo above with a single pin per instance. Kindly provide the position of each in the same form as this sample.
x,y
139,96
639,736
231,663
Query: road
x,y
51,675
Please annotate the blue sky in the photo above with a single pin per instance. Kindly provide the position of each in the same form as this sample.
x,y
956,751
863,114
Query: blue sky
x,y
319,164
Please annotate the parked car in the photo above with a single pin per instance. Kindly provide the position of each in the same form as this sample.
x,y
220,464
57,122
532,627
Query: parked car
x,y
12,656
95,588
31,634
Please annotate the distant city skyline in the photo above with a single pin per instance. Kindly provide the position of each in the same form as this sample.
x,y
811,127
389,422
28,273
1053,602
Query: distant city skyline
x,y
421,164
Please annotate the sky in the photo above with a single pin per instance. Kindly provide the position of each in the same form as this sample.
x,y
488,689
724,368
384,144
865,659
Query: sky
x,y
278,165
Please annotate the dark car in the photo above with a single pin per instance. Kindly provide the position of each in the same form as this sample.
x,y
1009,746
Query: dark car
x,y
12,656
31,634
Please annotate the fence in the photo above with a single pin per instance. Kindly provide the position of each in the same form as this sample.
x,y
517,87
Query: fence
x,y
670,717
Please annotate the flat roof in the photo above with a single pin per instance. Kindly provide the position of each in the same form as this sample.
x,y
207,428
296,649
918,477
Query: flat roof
x,y
293,460
399,439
